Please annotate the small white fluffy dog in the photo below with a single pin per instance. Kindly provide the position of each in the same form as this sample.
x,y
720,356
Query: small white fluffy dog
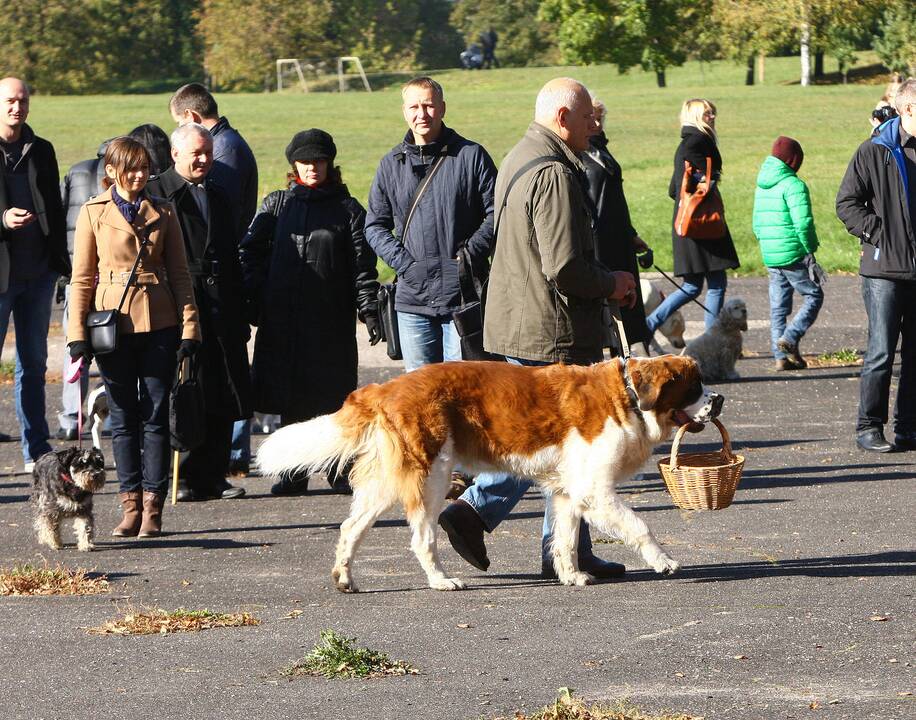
x,y
673,328
717,349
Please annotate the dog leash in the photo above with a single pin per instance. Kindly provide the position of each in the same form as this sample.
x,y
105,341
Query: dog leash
x,y
671,280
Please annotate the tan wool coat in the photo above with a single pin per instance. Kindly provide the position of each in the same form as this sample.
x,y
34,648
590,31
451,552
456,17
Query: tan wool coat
x,y
105,246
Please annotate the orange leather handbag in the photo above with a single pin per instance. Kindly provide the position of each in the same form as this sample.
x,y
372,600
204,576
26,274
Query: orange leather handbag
x,y
700,214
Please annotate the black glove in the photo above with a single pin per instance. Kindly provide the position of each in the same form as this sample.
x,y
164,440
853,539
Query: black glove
x,y
188,348
646,260
374,327
61,293
80,348
815,272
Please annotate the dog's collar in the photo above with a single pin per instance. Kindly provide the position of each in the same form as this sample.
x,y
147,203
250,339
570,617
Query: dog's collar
x,y
630,388
66,479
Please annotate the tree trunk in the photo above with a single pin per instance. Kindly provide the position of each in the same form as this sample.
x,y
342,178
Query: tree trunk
x,y
749,77
805,55
760,73
660,78
819,64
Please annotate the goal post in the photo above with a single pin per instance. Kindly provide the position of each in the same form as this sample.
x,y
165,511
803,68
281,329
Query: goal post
x,y
297,66
359,66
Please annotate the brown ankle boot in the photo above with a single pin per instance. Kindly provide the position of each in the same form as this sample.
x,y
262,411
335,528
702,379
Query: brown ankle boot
x,y
152,514
130,523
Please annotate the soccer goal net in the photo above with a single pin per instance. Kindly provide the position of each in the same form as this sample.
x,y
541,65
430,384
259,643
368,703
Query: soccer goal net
x,y
318,75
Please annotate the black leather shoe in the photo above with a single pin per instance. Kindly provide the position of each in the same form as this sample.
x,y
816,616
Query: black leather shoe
x,y
226,491
184,494
873,440
465,532
291,485
594,566
66,434
905,441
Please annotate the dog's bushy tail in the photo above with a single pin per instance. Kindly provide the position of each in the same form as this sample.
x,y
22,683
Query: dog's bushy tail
x,y
316,445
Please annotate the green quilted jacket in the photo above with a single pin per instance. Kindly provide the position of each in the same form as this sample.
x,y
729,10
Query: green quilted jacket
x,y
783,221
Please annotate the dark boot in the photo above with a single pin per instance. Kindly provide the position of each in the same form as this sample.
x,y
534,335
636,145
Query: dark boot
x,y
151,525
130,523
465,532
291,484
591,564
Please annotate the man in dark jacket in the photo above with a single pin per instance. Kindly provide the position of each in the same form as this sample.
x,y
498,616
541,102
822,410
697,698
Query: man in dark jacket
x,y
547,294
455,209
81,182
211,245
236,172
33,253
877,203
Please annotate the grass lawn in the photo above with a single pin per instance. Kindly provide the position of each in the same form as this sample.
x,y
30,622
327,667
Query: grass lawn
x,y
494,108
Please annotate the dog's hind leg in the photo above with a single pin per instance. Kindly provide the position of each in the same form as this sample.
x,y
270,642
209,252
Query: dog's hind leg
x,y
422,521
82,526
563,547
48,530
368,503
612,516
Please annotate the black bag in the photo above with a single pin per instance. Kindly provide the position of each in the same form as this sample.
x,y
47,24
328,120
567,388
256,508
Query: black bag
x,y
102,325
187,413
468,318
388,316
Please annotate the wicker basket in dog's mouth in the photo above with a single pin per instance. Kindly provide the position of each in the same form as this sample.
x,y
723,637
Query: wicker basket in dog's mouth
x,y
702,481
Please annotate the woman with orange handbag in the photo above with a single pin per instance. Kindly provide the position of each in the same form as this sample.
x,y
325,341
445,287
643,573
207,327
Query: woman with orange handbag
x,y
697,261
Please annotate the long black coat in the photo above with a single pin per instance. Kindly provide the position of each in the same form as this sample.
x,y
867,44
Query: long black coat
x,y
614,232
211,245
698,256
308,272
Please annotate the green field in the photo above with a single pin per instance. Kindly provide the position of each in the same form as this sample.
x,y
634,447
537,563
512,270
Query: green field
x,y
494,107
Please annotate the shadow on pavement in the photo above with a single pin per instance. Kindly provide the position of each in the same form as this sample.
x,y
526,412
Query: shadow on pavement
x,y
165,543
878,564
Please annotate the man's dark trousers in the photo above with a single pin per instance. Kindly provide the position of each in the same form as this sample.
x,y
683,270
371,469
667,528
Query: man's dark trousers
x,y
891,309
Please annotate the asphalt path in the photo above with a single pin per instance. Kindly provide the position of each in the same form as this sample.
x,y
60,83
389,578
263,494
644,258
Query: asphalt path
x,y
795,602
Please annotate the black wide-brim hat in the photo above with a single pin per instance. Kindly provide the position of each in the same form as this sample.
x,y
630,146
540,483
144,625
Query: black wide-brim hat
x,y
311,144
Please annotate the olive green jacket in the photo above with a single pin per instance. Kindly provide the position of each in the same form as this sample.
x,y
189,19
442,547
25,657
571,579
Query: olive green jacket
x,y
546,295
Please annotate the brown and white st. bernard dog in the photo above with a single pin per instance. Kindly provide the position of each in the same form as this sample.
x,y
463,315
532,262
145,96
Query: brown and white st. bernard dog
x,y
575,431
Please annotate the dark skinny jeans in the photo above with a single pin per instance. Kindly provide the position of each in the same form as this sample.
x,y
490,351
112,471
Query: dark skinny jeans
x,y
138,378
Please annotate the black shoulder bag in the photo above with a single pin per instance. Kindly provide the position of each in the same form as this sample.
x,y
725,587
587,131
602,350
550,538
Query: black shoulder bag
x,y
387,292
103,324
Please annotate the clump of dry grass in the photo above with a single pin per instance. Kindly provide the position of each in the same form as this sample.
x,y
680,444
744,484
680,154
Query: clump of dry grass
x,y
59,580
155,621
566,707
336,656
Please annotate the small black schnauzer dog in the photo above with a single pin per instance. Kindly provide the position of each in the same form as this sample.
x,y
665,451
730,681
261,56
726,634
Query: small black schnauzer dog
x,y
63,484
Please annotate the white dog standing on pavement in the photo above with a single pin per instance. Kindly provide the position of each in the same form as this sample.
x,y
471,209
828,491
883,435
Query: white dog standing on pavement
x,y
673,328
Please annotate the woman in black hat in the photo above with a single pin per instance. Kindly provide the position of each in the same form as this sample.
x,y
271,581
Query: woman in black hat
x,y
308,273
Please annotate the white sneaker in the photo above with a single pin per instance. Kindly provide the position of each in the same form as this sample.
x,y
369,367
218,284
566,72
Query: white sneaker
x,y
28,467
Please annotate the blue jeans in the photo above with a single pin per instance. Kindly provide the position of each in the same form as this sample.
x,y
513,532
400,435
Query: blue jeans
x,y
29,302
891,309
783,281
72,395
426,340
241,441
494,495
138,377
691,284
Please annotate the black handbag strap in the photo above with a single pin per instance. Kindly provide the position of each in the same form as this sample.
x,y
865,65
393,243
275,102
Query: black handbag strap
x,y
468,285
133,271
421,188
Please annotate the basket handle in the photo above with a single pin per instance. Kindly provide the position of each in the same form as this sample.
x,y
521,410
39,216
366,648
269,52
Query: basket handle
x,y
726,442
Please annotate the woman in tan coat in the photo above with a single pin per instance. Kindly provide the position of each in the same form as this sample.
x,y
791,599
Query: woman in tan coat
x,y
157,322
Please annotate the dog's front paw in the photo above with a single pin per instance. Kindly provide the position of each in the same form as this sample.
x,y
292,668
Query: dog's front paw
x,y
447,583
664,565
343,581
577,578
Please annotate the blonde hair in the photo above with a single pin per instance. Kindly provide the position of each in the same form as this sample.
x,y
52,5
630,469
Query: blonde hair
x,y
692,113
600,111
427,83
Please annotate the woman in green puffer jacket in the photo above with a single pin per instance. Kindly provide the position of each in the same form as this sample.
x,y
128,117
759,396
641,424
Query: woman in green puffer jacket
x,y
784,226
